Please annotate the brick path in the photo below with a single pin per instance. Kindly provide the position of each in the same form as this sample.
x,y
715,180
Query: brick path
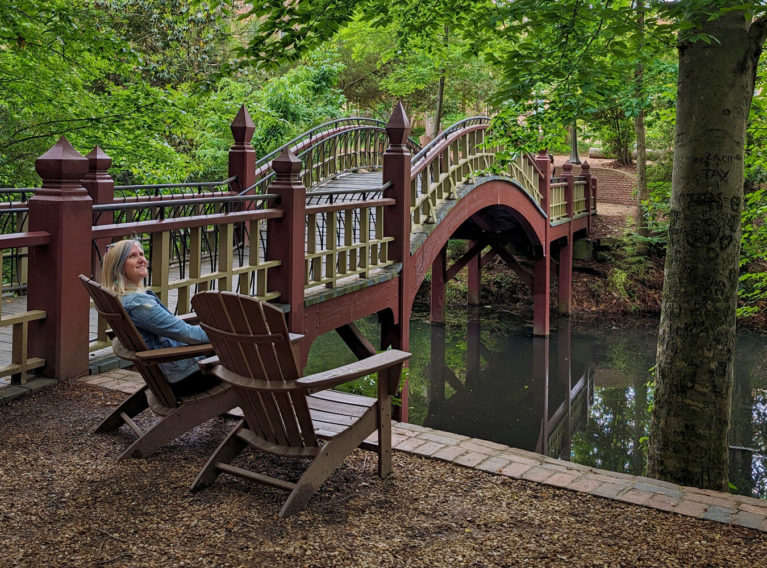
x,y
520,464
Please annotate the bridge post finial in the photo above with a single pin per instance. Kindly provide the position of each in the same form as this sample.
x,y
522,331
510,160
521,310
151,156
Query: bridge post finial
x,y
242,127
286,237
63,209
242,156
398,127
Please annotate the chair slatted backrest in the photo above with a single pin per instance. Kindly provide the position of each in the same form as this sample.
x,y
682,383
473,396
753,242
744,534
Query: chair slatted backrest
x,y
251,339
109,306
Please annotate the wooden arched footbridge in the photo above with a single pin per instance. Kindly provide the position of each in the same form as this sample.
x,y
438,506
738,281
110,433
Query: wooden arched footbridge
x,y
343,222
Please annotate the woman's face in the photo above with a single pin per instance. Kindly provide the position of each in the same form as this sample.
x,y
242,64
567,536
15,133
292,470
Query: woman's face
x,y
136,265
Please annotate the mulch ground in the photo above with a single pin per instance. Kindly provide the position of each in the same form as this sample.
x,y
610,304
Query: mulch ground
x,y
66,501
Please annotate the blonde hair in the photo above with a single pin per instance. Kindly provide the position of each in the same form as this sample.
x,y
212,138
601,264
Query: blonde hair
x,y
113,267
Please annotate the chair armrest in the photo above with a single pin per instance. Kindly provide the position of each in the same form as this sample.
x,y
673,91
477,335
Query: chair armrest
x,y
346,373
207,364
167,354
190,318
295,338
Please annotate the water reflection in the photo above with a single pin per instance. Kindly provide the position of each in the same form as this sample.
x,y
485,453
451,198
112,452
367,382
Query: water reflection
x,y
527,392
579,395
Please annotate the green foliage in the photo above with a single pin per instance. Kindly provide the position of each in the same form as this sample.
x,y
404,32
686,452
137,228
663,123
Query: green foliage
x,y
147,81
618,281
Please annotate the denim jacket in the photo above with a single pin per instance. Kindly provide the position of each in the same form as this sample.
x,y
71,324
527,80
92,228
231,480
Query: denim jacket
x,y
160,328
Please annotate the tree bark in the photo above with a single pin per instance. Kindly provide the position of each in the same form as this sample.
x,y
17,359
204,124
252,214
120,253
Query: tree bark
x,y
639,129
694,372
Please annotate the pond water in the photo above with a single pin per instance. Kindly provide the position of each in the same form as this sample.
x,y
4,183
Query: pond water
x,y
581,394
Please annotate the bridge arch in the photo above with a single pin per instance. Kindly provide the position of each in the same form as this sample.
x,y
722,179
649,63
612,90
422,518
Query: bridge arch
x,y
494,204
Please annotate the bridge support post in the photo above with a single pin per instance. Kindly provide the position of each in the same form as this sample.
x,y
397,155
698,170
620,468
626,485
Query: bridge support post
x,y
544,181
542,294
438,269
101,188
565,276
242,161
396,172
62,208
474,280
286,238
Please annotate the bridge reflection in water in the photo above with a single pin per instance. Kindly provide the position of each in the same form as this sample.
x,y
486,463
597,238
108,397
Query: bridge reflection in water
x,y
521,390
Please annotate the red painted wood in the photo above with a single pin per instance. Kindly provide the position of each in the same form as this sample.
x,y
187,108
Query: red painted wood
x,y
242,156
492,193
101,188
62,208
286,241
438,269
565,278
125,229
16,240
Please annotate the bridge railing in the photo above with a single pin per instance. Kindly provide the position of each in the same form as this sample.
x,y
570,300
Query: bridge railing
x,y
347,144
345,239
453,156
440,166
21,362
273,246
209,248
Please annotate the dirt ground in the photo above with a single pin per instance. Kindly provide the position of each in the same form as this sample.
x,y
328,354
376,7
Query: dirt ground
x,y
66,502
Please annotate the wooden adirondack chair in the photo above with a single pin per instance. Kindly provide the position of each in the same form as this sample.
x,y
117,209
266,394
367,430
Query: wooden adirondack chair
x,y
283,415
178,414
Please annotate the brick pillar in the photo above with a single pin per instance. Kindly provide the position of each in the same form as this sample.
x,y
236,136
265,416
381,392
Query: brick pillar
x,y
438,269
474,281
286,241
101,188
396,169
62,207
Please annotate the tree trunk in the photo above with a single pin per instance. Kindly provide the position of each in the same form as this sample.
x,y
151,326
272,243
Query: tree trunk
x,y
694,372
639,129
440,97
642,193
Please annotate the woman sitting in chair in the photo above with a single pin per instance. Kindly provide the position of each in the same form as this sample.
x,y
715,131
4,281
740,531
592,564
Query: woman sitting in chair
x,y
123,271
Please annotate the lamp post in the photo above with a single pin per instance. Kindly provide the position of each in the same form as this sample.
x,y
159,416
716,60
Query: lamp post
x,y
574,159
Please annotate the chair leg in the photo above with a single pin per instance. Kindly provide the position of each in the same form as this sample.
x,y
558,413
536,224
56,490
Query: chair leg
x,y
333,453
180,420
229,449
388,380
133,405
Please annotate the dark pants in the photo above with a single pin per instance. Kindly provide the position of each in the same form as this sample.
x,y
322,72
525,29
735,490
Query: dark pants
x,y
194,383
